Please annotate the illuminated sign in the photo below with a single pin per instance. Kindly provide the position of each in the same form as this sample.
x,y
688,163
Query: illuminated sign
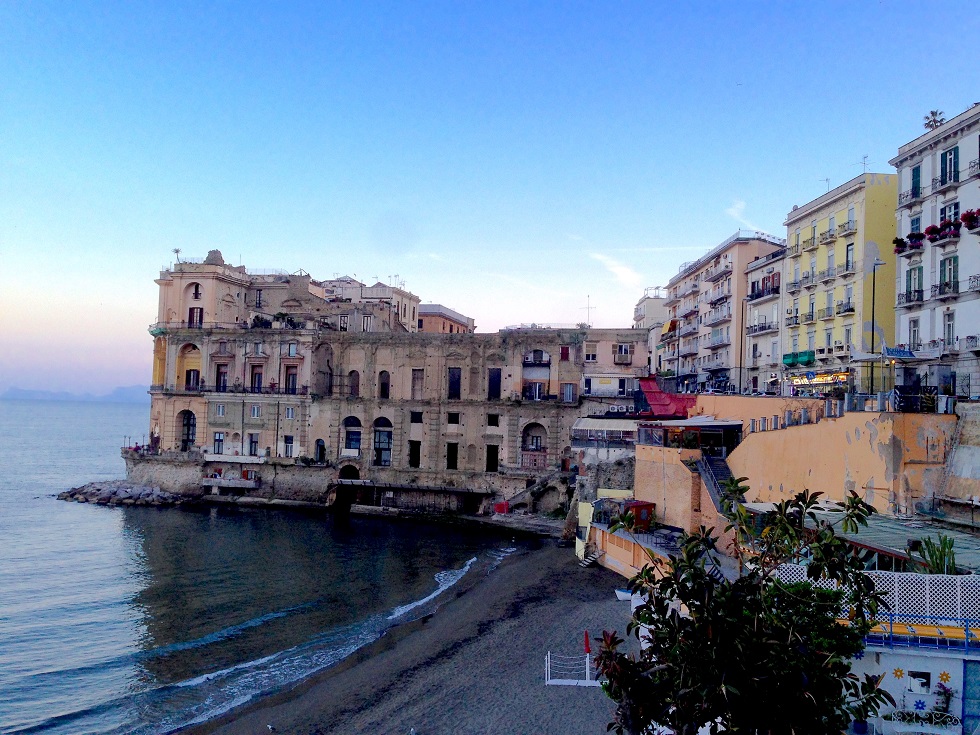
x,y
820,379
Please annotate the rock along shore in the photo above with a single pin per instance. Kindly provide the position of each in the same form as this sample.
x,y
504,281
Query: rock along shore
x,y
121,492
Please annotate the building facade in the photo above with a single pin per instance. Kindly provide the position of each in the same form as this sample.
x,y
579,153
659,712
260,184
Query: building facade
x,y
649,315
702,341
762,356
438,319
270,382
839,273
938,278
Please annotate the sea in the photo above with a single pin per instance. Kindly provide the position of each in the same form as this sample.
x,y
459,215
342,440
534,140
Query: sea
x,y
147,620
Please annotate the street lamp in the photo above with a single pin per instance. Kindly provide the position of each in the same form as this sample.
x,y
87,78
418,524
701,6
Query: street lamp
x,y
874,326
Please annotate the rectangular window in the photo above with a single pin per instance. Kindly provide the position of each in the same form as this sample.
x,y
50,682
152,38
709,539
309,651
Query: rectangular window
x,y
850,256
344,322
493,419
353,439
452,455
588,386
290,412
828,338
949,166
287,445
563,353
914,334
291,350
418,383
366,324
382,447
195,317
192,380
219,409
591,351
416,417
949,272
452,417
256,378
915,224
568,392
420,322
292,380
253,445
847,336
624,349
455,380
493,384
493,457
950,212
221,378
916,181
621,391
949,328
414,454
256,412
258,297
219,442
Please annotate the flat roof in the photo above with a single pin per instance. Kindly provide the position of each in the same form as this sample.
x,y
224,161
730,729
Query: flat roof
x,y
695,422
597,424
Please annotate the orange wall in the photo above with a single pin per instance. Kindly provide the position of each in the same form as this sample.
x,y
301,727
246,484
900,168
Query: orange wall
x,y
744,408
891,460
662,478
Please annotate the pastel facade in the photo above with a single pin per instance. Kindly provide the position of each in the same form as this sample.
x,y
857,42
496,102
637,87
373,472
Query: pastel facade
x,y
835,295
701,345
649,315
762,355
439,319
938,277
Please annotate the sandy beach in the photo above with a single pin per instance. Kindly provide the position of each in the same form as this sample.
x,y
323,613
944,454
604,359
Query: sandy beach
x,y
475,666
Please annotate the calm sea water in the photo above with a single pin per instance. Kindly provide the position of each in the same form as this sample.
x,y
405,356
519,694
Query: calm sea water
x,y
142,620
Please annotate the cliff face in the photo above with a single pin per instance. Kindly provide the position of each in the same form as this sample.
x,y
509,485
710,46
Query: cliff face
x,y
616,475
964,470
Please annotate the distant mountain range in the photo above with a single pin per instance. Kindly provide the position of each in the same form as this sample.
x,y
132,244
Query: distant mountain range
x,y
125,394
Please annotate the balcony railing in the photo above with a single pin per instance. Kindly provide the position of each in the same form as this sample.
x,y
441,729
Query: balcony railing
x,y
794,286
762,328
808,317
846,269
534,459
909,298
719,341
718,272
718,297
717,317
793,321
825,353
688,311
272,389
622,359
974,283
793,251
974,168
845,307
827,274
717,365
910,196
847,228
946,290
689,330
689,351
828,236
689,290
826,313
810,243
948,181
764,293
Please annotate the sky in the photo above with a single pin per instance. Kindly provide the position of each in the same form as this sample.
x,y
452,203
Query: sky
x,y
516,162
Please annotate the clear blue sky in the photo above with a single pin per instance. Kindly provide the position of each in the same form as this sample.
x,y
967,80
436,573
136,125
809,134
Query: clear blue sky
x,y
505,159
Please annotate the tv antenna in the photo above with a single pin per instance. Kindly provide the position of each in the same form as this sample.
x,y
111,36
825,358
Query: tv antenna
x,y
827,182
588,310
863,162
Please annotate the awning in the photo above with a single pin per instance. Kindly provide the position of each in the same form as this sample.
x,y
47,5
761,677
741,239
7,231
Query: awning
x,y
590,424
669,326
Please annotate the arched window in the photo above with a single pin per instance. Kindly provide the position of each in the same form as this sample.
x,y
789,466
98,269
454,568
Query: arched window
x,y
382,442
188,430
384,385
320,454
352,433
354,383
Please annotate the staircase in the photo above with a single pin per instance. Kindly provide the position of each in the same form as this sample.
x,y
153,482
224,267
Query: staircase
x,y
715,471
591,559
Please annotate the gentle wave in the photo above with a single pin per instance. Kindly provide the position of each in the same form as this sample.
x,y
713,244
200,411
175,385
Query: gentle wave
x,y
171,707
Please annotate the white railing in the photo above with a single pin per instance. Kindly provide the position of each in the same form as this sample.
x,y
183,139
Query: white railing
x,y
571,671
917,595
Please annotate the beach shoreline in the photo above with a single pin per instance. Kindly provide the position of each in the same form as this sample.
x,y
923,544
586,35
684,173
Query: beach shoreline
x,y
476,665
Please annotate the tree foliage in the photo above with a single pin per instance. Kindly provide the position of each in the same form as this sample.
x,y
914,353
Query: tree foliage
x,y
933,120
753,654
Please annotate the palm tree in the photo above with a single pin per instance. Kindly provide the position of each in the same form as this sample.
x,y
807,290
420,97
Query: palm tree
x,y
176,252
933,120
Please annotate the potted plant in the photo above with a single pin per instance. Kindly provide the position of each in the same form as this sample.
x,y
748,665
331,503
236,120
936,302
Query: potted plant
x,y
944,697
900,245
915,238
932,232
971,218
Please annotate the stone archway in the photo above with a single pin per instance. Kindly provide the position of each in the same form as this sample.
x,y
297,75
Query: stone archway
x,y
349,472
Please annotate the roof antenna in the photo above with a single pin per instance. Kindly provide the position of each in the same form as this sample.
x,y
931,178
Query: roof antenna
x,y
827,182
588,310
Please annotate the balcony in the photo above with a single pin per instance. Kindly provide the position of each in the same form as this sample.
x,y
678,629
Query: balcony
x,y
826,313
793,251
809,280
717,365
793,321
910,298
689,290
974,283
972,343
808,317
847,228
764,293
842,351
689,311
807,357
672,300
974,168
946,290
689,351
718,297
825,353
827,275
534,459
719,316
196,389
538,361
761,328
845,269
948,236
622,359
718,272
789,359
827,236
688,330
945,182
912,248
809,244
910,197
845,307
794,286
719,341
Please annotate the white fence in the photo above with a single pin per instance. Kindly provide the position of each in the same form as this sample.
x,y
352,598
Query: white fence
x,y
915,595
573,671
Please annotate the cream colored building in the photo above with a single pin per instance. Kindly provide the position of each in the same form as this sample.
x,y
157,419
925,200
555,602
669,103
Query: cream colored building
x,y
650,314
762,356
836,298
702,340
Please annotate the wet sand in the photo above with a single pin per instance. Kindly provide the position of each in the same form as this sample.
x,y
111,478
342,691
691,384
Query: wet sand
x,y
475,666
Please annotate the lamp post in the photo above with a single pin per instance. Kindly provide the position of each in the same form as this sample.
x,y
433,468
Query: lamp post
x,y
874,326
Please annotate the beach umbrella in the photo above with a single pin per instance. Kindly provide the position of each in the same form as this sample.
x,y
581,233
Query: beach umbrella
x,y
588,648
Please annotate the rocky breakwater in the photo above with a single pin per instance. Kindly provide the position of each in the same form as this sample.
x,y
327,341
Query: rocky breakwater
x,y
120,492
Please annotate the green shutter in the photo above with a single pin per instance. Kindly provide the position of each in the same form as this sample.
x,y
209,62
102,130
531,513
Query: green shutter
x,y
916,180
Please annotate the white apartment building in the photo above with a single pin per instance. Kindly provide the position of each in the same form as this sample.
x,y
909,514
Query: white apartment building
x,y
701,342
650,314
763,353
938,279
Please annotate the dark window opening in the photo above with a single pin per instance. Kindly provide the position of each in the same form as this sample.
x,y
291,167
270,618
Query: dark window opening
x,y
384,385
453,417
493,419
493,384
452,455
493,457
414,454
416,417
455,381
